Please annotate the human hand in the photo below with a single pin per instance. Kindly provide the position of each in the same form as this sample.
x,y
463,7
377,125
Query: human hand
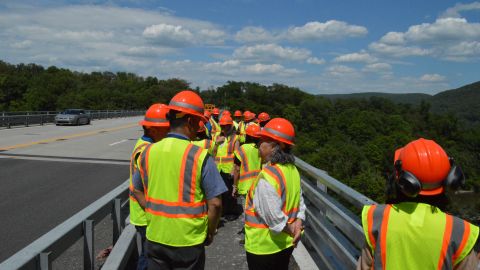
x,y
209,239
235,191
297,231
220,139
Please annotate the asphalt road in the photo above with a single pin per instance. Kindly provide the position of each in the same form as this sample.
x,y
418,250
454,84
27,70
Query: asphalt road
x,y
49,173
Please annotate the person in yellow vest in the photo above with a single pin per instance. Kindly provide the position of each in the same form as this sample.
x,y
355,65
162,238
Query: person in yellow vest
x,y
181,190
214,119
203,141
247,166
274,209
227,143
237,118
412,231
155,127
247,162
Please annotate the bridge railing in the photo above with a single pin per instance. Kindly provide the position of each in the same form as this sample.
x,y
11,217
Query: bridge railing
x,y
27,118
333,234
40,253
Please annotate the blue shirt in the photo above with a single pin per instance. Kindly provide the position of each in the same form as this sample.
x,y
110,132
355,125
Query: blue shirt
x,y
211,182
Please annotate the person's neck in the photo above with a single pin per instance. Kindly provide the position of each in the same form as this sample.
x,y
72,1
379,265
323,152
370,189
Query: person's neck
x,y
182,131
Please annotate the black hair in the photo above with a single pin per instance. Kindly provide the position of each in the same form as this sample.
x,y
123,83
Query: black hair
x,y
250,139
176,122
394,195
282,156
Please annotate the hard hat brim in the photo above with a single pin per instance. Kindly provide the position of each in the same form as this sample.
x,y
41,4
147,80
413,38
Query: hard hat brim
x,y
263,133
153,124
432,192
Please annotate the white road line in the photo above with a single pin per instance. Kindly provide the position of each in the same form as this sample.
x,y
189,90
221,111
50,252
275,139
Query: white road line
x,y
112,144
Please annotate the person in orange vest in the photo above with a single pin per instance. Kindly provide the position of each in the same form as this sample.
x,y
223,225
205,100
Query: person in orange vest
x,y
274,210
180,189
155,127
227,143
263,119
412,231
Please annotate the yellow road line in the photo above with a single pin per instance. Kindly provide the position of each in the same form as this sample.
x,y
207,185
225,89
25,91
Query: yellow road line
x,y
84,134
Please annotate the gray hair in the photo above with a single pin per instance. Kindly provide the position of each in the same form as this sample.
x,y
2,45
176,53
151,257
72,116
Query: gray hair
x,y
282,156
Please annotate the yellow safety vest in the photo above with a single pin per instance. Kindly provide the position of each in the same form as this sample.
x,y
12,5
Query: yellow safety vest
x,y
251,165
137,215
225,154
413,235
216,129
258,237
205,144
176,205
241,132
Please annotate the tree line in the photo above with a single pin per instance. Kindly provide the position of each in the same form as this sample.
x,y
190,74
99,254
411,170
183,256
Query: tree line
x,y
352,139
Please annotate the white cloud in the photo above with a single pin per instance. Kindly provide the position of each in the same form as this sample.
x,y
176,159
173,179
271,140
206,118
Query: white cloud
x,y
262,69
377,68
316,61
313,31
271,52
446,38
252,34
433,78
361,57
454,12
340,70
24,44
169,35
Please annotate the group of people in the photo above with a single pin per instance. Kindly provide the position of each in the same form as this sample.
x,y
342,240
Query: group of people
x,y
191,165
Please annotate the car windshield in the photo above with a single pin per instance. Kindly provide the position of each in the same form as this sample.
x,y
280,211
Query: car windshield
x,y
72,112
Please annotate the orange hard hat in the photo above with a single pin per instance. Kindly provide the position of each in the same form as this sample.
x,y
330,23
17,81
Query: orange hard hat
x,y
201,127
279,129
188,102
253,131
249,116
262,117
226,120
428,162
227,112
216,111
156,116
238,113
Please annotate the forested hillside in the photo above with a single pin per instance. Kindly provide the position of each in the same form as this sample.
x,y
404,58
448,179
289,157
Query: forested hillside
x,y
352,139
464,102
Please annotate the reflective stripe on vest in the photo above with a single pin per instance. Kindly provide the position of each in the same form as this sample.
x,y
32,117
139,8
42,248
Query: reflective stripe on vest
x,y
225,154
143,168
258,237
176,205
249,175
137,214
456,234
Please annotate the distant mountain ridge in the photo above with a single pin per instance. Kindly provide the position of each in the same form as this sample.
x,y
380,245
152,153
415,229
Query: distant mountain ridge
x,y
463,101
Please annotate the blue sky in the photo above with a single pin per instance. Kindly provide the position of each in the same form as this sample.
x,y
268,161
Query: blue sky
x,y
321,47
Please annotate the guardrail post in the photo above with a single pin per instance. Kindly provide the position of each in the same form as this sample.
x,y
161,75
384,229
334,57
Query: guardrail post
x,y
41,120
45,262
117,219
26,120
88,257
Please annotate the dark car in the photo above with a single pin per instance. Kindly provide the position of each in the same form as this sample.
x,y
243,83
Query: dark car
x,y
72,117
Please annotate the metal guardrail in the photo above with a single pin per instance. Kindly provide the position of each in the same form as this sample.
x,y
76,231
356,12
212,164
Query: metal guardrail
x,y
27,118
333,234
41,253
